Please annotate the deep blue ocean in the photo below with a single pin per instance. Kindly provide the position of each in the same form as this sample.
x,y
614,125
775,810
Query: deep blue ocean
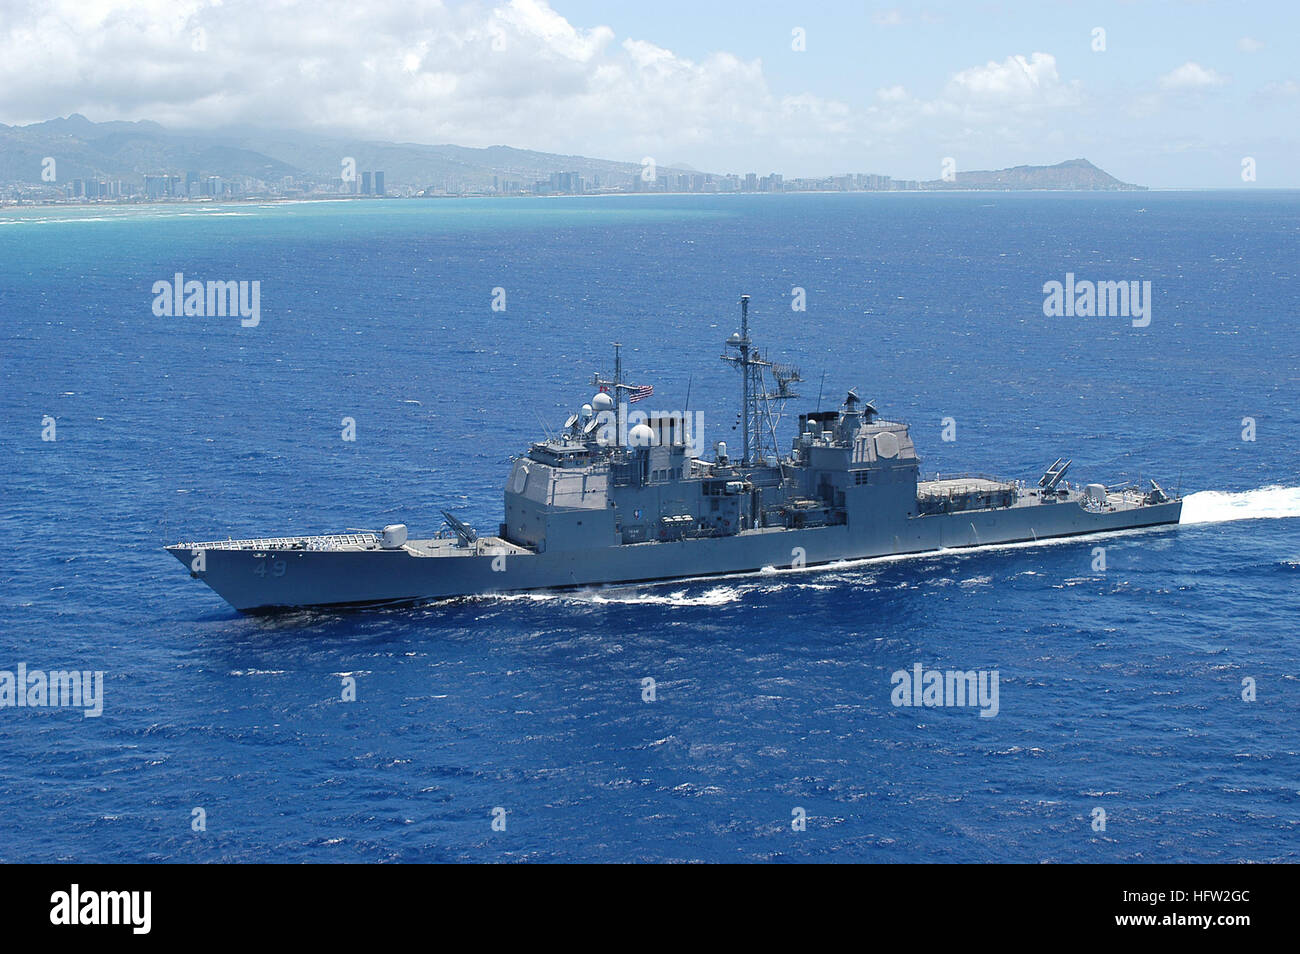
x,y
1119,689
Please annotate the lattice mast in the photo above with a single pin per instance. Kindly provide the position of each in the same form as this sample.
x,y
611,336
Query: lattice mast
x,y
759,408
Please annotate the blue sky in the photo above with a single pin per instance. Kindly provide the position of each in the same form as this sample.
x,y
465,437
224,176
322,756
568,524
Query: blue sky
x,y
1196,137
1182,93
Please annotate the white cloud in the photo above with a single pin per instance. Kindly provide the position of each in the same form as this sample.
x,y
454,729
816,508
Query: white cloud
x,y
479,73
1011,107
1249,44
488,72
1016,79
534,18
1191,76
1286,89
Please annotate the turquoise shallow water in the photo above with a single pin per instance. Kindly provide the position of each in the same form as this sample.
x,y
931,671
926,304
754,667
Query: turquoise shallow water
x,y
1118,689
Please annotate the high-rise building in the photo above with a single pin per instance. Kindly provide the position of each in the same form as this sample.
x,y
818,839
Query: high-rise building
x,y
379,183
570,182
365,183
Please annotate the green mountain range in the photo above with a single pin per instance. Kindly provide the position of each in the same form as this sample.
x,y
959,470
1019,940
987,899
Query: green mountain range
x,y
131,150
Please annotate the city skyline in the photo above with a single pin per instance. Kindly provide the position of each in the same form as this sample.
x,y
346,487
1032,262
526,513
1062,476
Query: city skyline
x,y
139,161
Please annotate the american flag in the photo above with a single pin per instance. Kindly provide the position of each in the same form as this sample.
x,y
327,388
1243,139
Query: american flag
x,y
640,393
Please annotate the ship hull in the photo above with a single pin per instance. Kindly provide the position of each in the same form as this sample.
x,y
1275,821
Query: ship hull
x,y
260,581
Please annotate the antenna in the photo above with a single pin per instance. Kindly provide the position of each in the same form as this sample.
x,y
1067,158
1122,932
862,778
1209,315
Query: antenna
x,y
756,401
545,430
821,388
743,345
618,390
618,393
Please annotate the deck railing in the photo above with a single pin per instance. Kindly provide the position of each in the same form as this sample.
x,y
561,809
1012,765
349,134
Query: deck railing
x,y
329,541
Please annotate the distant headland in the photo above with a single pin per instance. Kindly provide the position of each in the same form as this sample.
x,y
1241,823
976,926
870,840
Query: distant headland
x,y
1073,175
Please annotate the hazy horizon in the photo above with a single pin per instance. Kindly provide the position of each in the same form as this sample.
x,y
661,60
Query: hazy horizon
x,y
1169,95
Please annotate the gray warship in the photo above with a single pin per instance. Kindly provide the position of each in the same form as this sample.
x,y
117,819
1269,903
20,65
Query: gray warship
x,y
618,496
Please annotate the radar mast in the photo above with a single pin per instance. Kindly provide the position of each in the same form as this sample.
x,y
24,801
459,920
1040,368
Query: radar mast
x,y
760,409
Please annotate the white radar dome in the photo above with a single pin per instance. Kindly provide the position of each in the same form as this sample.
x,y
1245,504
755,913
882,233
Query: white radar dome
x,y
640,436
602,402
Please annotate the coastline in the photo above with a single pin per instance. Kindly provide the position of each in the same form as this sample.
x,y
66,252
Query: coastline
x,y
198,204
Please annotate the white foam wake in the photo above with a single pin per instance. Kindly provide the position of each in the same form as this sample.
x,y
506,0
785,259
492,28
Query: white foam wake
x,y
1216,506
628,593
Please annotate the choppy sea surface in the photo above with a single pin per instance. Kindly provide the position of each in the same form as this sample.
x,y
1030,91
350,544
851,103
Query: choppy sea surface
x,y
1120,689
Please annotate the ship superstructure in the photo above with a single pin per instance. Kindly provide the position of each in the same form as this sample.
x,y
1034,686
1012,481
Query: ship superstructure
x,y
621,496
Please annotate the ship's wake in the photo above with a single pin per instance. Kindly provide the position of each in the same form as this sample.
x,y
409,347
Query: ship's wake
x,y
1215,506
628,593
